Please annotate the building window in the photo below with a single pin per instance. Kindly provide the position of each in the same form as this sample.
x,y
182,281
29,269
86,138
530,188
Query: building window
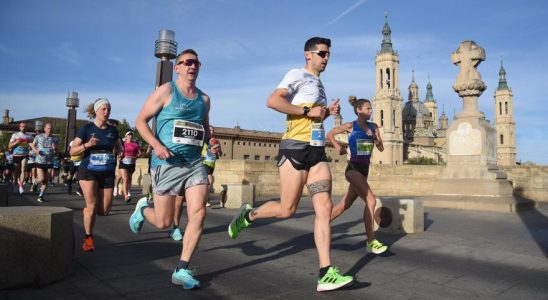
x,y
267,157
382,78
500,108
394,118
502,139
246,156
382,118
506,107
243,143
257,157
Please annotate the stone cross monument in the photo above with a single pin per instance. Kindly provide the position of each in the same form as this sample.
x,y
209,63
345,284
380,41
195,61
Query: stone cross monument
x,y
471,178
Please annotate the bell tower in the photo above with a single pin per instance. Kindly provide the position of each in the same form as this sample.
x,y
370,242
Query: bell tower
x,y
504,122
387,102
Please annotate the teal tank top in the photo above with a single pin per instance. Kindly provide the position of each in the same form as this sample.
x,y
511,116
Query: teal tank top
x,y
179,127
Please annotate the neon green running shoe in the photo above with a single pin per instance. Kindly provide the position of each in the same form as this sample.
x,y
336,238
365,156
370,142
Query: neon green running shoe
x,y
239,222
376,247
332,280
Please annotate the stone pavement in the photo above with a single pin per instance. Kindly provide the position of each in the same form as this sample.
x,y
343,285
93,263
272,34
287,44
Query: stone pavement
x,y
460,255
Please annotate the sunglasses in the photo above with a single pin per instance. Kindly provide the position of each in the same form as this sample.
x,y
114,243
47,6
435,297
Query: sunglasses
x,y
322,53
189,62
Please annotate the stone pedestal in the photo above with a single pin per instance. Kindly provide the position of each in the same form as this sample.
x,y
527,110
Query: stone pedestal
x,y
394,215
146,184
36,245
238,194
471,171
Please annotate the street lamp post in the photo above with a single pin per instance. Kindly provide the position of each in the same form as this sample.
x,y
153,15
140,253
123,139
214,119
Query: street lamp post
x,y
72,104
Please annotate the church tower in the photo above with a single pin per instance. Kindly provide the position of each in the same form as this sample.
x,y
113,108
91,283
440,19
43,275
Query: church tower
x,y
504,122
430,103
387,102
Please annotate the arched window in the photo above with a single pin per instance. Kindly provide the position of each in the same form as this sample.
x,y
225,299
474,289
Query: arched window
x,y
387,77
500,108
502,139
506,107
382,118
382,78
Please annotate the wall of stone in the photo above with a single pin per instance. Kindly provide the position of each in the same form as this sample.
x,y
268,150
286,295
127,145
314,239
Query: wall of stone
x,y
530,182
404,180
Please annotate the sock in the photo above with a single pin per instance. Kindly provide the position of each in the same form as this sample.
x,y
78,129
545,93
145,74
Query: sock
x,y
247,216
183,265
323,271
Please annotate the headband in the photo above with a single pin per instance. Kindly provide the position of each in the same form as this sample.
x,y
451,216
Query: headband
x,y
100,102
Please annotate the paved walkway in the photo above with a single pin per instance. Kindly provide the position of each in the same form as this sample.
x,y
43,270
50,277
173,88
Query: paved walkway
x,y
461,255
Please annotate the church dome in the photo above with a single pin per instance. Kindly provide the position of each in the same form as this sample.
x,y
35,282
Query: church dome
x,y
413,109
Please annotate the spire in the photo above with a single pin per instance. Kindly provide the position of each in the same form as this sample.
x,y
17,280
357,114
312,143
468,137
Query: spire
x,y
429,95
386,46
503,85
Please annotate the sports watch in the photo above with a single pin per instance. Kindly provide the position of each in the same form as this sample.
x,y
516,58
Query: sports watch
x,y
306,110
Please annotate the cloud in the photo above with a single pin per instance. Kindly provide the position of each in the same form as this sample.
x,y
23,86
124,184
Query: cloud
x,y
65,52
347,11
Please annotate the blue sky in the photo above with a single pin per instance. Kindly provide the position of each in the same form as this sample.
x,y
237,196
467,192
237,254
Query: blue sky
x,y
106,49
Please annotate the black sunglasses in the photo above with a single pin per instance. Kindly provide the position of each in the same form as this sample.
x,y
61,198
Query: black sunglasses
x,y
322,53
189,62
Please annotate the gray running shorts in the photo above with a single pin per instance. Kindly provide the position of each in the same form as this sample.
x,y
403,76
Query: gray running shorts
x,y
172,179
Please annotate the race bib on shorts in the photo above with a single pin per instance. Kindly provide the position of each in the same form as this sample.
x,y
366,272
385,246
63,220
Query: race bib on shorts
x,y
188,133
317,135
77,163
101,162
364,147
128,160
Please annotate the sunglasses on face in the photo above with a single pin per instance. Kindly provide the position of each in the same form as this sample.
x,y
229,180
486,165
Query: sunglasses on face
x,y
322,53
189,62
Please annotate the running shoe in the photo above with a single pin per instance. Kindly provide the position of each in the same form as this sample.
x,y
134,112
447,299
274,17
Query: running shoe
x,y
208,204
88,244
239,222
128,199
184,277
79,192
40,199
21,190
376,247
137,219
332,280
115,192
176,234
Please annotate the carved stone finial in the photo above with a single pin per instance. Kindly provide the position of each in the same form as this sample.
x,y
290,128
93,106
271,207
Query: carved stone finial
x,y
467,57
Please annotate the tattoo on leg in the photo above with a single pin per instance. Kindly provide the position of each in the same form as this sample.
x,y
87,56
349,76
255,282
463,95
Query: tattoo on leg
x,y
320,187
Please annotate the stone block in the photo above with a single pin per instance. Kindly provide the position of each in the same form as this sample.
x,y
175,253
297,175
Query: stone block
x,y
395,215
238,194
37,245
146,184
4,194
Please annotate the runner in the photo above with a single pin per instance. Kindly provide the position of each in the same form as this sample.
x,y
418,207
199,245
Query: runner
x,y
182,118
32,171
8,168
129,156
44,146
364,135
73,177
19,144
98,141
302,158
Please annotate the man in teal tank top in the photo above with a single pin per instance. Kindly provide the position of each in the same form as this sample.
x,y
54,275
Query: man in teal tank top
x,y
182,127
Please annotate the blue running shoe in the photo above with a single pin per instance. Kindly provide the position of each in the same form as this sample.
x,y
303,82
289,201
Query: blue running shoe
x,y
184,277
176,234
137,219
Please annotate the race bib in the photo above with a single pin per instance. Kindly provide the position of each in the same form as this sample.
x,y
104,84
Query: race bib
x,y
77,163
188,133
101,162
317,135
364,147
46,151
128,160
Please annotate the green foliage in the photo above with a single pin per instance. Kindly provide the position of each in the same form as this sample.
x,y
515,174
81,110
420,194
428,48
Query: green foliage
x,y
421,160
4,141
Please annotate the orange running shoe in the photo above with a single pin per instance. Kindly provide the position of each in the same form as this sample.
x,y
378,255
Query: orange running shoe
x,y
88,244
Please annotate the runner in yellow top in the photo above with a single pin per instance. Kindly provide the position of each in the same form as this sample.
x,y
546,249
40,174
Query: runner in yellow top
x,y
302,159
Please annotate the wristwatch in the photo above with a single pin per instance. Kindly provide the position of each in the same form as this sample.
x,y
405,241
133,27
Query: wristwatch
x,y
306,110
